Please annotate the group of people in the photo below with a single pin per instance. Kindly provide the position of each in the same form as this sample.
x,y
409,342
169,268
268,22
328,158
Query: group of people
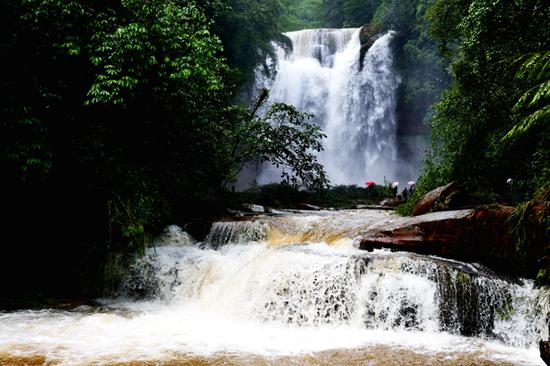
x,y
409,189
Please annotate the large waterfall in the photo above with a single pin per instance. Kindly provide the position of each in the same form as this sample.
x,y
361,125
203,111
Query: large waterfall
x,y
354,106
292,289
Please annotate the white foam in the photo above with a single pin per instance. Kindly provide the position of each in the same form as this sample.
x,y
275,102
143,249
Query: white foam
x,y
252,298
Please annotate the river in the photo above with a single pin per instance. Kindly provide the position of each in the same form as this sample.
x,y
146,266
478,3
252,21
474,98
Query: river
x,y
290,289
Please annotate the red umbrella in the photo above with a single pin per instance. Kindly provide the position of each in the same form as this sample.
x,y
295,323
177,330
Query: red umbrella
x,y
369,183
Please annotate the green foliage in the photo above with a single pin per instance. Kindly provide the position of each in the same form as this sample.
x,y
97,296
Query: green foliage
x,y
358,12
302,14
283,195
134,214
506,311
247,29
348,13
116,121
25,149
397,15
543,277
406,208
445,18
535,102
285,138
531,230
163,43
481,107
333,15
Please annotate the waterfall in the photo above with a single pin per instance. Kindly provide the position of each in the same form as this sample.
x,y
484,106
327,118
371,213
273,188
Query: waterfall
x,y
236,232
355,108
312,284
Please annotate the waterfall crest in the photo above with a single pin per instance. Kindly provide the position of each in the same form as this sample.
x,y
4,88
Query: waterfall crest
x,y
355,108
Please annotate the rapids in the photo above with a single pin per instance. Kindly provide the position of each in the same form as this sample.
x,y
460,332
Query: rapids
x,y
290,289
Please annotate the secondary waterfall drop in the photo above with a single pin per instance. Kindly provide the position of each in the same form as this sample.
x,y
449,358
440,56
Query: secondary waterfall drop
x,y
355,107
291,289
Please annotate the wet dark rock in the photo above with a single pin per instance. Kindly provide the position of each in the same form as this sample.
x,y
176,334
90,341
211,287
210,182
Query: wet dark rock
x,y
531,225
467,311
543,276
374,207
307,206
391,202
141,281
368,35
250,207
274,211
408,317
359,264
545,351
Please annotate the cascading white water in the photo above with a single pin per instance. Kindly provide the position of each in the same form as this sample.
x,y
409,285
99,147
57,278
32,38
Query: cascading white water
x,y
249,293
355,108
314,284
236,232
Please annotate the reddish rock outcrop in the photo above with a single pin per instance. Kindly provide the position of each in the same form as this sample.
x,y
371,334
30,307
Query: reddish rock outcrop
x,y
479,235
441,198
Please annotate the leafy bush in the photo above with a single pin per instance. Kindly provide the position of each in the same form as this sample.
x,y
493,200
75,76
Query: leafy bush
x,y
283,195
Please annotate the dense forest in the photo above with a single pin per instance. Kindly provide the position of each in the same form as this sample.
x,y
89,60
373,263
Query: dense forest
x,y
118,118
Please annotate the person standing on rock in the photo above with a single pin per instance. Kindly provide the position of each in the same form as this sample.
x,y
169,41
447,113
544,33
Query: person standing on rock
x,y
369,185
394,187
412,186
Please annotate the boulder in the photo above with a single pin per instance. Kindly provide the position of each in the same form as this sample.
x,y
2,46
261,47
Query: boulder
x,y
434,233
391,202
479,235
543,276
274,211
374,207
544,347
250,207
441,198
307,206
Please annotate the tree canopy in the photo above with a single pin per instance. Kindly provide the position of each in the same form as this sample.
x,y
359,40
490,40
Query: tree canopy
x,y
499,93
117,120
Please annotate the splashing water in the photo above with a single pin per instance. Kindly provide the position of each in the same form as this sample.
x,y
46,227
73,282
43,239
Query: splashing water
x,y
251,297
355,108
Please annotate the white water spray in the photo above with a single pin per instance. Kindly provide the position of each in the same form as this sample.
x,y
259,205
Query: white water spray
x,y
274,287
